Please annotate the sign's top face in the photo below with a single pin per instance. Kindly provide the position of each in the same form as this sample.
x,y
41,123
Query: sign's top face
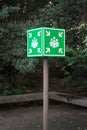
x,y
46,42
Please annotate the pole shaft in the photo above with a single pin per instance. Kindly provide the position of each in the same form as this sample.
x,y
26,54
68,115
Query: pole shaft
x,y
45,94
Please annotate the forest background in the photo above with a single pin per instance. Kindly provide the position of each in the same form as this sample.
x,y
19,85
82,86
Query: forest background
x,y
19,74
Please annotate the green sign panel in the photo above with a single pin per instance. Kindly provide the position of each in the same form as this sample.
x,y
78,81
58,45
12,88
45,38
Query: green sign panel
x,y
46,42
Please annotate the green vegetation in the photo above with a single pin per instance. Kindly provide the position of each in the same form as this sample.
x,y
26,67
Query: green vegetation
x,y
17,16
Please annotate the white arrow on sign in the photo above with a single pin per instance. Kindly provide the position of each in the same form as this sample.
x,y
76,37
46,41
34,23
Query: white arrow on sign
x,y
47,33
38,33
47,50
39,50
30,51
60,34
60,50
30,35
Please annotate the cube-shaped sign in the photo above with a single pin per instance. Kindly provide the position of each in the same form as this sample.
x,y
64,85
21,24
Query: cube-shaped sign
x,y
46,42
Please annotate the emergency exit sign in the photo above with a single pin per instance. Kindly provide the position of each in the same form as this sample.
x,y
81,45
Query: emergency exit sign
x,y
46,42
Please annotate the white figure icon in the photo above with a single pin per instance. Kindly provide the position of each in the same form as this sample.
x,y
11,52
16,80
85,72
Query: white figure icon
x,y
54,42
34,43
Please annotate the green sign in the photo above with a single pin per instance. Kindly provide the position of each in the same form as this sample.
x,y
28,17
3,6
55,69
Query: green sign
x,y
46,42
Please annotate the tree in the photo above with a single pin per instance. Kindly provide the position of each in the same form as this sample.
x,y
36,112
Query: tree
x,y
13,42
13,38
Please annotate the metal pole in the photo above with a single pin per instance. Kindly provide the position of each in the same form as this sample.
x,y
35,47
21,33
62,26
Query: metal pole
x,y
45,94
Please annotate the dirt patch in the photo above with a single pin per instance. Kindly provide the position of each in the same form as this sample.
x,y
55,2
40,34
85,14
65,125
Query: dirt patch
x,y
61,117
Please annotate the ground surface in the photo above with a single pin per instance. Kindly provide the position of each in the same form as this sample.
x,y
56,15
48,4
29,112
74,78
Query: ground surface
x,y
29,117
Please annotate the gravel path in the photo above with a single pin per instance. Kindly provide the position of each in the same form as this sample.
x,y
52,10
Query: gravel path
x,y
61,117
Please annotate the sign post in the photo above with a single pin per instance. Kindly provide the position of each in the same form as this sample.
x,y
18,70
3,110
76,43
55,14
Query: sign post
x,y
45,42
45,93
